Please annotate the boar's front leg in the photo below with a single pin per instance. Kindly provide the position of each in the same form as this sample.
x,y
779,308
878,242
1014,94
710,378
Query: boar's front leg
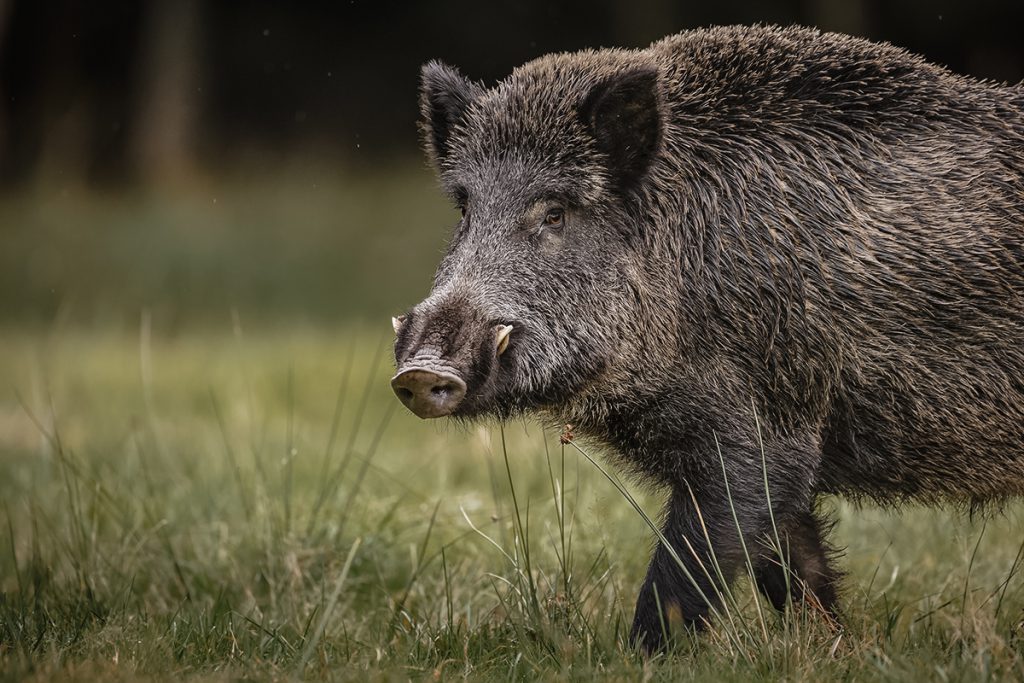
x,y
703,522
681,585
683,582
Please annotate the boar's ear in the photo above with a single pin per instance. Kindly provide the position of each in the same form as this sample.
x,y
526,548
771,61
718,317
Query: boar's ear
x,y
623,115
445,96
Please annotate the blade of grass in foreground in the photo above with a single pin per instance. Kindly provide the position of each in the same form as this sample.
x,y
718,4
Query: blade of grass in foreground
x,y
332,436
331,602
523,533
330,482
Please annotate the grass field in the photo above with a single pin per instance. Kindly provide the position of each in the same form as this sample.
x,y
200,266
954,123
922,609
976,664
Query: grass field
x,y
224,487
228,504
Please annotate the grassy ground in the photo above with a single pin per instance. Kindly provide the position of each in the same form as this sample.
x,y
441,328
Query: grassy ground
x,y
226,504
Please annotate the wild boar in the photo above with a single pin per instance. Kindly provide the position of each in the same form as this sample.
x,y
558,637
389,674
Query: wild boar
x,y
738,256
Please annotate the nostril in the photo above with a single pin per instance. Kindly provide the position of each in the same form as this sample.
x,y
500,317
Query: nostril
x,y
404,393
441,389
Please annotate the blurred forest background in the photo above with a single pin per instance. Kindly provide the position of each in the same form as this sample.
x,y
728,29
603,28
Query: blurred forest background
x,y
192,157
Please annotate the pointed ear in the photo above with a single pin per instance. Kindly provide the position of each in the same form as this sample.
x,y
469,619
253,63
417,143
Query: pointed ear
x,y
623,113
445,96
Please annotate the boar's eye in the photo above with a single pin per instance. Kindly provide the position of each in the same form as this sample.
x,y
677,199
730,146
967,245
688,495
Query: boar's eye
x,y
554,218
461,200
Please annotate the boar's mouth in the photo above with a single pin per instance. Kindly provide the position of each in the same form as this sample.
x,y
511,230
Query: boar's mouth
x,y
431,385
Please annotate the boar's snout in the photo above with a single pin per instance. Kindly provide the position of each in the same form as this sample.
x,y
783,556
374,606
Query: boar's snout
x,y
427,393
449,359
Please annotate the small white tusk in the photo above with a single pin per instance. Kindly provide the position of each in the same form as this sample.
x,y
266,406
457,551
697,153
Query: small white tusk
x,y
396,322
502,338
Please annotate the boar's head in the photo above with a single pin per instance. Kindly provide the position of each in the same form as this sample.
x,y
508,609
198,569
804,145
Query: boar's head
x,y
540,287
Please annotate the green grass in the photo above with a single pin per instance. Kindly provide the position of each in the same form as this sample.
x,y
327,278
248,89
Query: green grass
x,y
223,504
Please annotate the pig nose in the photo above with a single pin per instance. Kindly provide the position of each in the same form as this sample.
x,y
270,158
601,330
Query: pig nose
x,y
427,393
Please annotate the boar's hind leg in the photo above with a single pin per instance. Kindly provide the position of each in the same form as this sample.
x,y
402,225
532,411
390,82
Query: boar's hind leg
x,y
812,577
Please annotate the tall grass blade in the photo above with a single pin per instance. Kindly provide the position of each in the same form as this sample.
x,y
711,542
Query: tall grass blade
x,y
321,626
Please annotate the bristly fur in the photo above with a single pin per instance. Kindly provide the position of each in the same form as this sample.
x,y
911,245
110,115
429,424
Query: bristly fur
x,y
774,239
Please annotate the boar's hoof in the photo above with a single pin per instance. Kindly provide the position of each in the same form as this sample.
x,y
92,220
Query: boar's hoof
x,y
428,393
